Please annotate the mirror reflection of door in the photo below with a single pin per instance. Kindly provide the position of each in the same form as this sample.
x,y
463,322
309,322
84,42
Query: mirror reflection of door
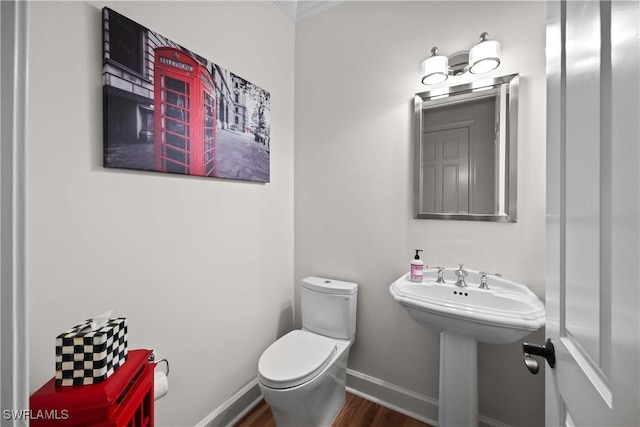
x,y
445,166
459,157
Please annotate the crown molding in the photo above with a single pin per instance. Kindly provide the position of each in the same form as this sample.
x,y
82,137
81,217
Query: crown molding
x,y
300,10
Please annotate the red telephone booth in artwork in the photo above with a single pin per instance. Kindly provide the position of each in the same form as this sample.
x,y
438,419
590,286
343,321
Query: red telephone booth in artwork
x,y
184,114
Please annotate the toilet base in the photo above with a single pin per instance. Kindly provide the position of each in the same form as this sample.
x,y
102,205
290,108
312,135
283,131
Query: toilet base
x,y
313,404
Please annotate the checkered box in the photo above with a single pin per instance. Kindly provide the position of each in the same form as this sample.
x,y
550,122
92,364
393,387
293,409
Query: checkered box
x,y
85,356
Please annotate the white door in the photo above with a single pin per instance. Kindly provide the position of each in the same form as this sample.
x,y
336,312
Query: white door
x,y
14,390
593,213
445,170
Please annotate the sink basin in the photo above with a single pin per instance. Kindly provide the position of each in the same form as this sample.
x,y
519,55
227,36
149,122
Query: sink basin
x,y
505,313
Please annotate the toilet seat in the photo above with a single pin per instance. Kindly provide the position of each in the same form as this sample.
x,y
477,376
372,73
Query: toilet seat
x,y
295,358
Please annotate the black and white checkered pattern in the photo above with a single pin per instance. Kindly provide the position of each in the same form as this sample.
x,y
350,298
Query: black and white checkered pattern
x,y
90,357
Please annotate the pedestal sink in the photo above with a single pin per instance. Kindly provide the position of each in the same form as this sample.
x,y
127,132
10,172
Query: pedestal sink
x,y
504,313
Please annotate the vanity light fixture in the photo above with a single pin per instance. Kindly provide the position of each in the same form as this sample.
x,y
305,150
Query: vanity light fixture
x,y
435,69
482,58
485,56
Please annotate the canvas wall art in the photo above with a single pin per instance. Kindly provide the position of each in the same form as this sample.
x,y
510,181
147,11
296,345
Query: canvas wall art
x,y
168,109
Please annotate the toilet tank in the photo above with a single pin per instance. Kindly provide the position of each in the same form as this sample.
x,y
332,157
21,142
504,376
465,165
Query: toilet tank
x,y
329,307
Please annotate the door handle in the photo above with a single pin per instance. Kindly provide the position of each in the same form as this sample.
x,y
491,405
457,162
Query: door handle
x,y
547,351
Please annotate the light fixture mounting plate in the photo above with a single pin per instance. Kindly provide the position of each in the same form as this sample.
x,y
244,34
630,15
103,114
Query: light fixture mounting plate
x,y
459,63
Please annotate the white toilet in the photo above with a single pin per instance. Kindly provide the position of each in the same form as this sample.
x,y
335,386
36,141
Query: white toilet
x,y
303,375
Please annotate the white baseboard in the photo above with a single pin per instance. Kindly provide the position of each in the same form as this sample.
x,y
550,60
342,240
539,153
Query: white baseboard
x,y
235,408
399,399
490,422
402,400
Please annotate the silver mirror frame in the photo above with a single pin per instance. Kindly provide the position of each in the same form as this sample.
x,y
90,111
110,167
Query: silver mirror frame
x,y
511,143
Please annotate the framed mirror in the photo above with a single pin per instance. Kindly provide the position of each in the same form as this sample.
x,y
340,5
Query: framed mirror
x,y
465,163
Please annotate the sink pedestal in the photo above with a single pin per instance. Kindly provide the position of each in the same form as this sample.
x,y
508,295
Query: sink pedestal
x,y
458,398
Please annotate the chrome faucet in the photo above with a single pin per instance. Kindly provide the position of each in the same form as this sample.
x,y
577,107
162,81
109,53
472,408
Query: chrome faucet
x,y
483,279
440,278
461,273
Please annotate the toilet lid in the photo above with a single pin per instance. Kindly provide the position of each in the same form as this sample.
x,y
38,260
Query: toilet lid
x,y
294,359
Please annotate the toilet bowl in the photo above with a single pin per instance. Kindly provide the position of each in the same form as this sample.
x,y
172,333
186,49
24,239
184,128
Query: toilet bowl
x,y
303,374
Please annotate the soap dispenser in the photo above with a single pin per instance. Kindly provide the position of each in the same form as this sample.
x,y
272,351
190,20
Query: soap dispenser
x,y
417,267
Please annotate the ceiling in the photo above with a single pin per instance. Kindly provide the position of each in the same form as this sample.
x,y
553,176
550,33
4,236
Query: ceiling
x,y
299,10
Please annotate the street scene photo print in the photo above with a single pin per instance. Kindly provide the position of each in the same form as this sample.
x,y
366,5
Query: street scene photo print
x,y
168,109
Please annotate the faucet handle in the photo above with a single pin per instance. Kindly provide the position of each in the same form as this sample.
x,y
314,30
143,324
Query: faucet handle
x,y
483,279
440,278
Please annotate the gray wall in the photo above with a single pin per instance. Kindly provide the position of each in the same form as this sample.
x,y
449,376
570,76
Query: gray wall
x,y
202,268
357,69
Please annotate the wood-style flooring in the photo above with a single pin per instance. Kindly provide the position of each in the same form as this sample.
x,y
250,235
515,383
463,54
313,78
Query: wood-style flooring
x,y
357,412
